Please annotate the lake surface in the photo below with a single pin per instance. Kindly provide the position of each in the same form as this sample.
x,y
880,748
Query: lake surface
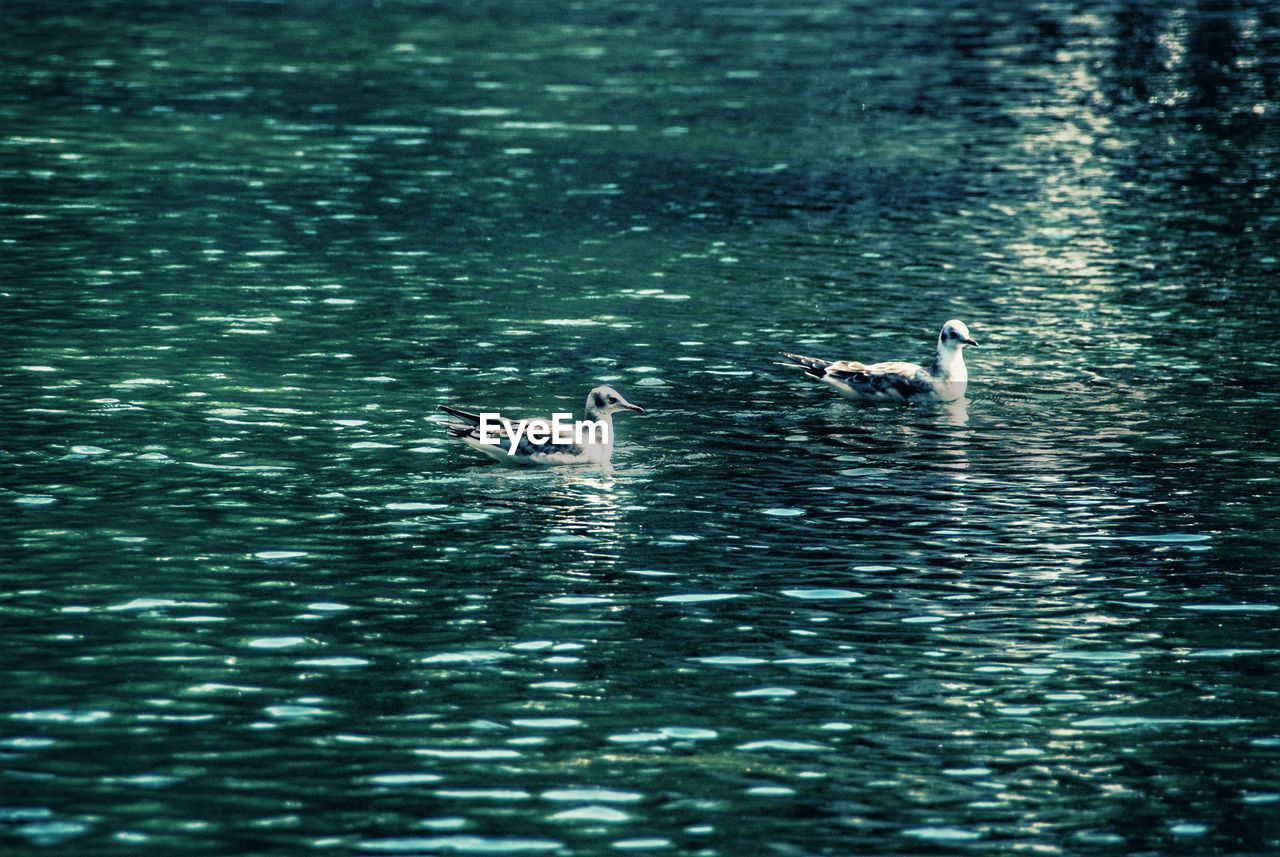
x,y
254,601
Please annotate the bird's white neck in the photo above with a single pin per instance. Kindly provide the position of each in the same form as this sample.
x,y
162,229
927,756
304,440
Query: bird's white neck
x,y
948,365
600,453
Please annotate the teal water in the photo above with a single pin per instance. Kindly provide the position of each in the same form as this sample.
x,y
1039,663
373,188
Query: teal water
x,y
254,601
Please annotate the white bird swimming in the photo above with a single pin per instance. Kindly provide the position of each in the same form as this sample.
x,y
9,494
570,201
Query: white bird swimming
x,y
535,441
944,381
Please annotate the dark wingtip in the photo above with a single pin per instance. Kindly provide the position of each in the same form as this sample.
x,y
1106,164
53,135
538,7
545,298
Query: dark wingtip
x,y
473,419
814,367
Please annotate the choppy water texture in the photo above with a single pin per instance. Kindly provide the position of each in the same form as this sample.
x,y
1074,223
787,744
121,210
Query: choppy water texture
x,y
254,601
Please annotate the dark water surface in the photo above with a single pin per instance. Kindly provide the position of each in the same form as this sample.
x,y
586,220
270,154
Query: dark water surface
x,y
254,601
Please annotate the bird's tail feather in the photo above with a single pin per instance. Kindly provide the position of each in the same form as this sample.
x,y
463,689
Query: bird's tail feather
x,y
465,416
813,366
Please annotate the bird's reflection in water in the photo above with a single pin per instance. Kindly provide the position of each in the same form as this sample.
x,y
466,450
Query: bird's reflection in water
x,y
584,507
951,456
954,413
560,505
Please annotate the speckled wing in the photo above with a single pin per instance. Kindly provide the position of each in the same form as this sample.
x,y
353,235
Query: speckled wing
x,y
892,380
846,370
548,452
526,452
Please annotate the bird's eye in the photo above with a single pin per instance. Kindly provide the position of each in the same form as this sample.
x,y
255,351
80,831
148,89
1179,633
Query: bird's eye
x,y
613,400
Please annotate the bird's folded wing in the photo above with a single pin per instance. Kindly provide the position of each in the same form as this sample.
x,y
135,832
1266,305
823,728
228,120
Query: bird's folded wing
x,y
846,370
893,378
549,448
525,448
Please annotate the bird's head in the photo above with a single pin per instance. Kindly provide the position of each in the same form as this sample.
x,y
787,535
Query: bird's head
x,y
955,335
606,400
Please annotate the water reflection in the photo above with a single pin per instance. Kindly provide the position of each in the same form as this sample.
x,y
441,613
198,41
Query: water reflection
x,y
955,413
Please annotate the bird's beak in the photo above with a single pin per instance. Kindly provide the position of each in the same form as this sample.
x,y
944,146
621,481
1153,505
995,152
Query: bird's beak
x,y
631,407
969,340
